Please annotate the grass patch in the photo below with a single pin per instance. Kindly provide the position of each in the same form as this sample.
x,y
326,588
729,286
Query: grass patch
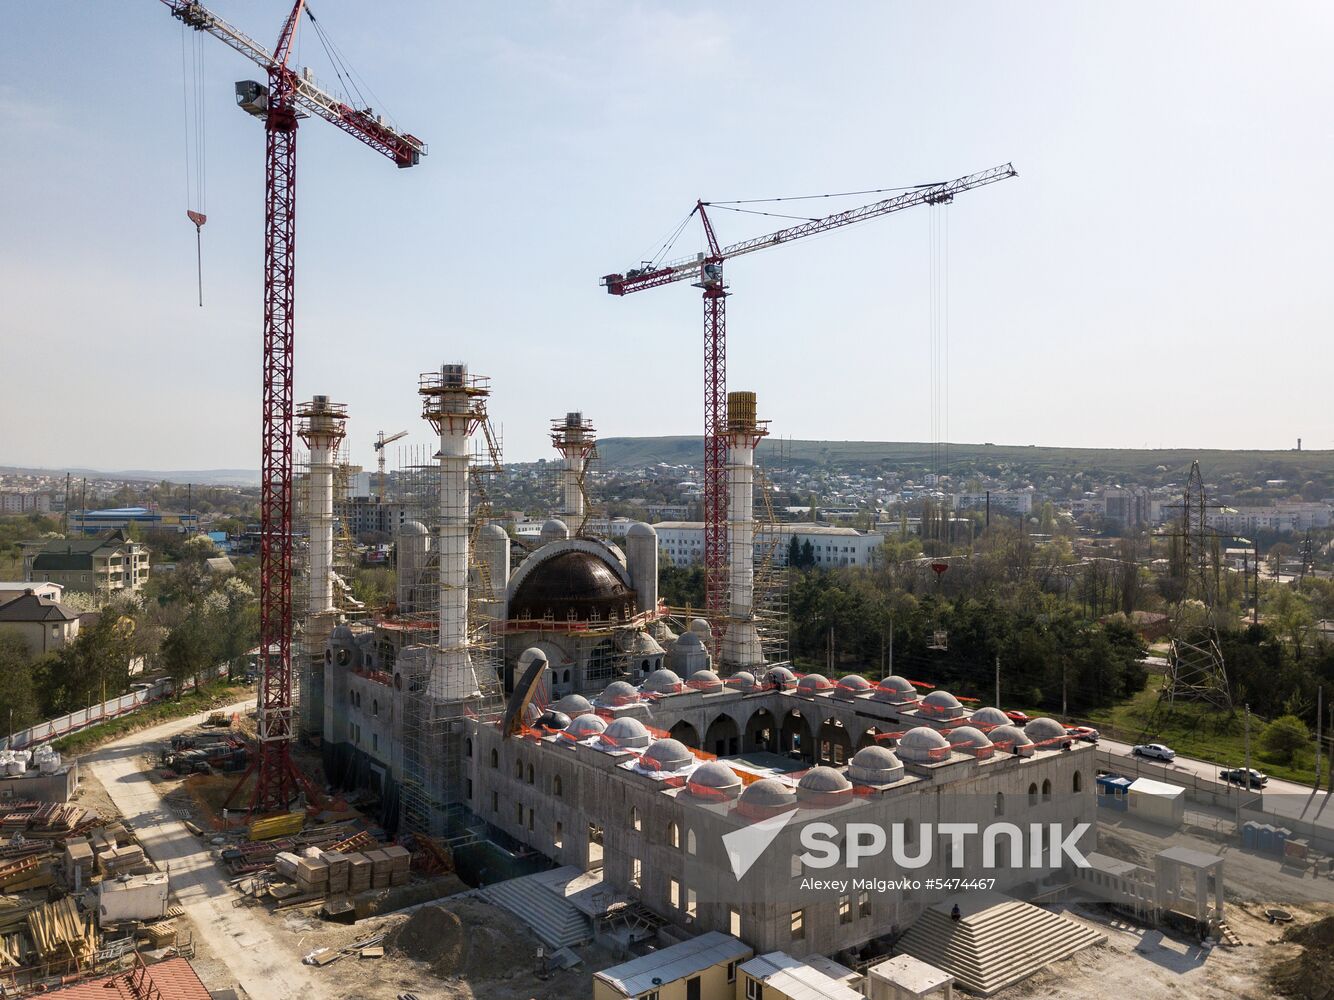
x,y
190,703
1195,730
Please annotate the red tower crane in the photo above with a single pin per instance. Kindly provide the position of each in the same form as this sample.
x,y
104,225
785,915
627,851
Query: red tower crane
x,y
707,270
288,98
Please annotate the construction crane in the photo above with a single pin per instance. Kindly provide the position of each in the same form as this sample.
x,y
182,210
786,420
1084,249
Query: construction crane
x,y
705,271
380,442
281,104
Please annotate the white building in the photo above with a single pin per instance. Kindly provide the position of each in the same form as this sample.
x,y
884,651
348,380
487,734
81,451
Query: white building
x,y
1010,501
683,542
17,502
1283,517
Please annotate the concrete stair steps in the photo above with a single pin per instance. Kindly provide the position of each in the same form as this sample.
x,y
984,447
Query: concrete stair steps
x,y
997,945
557,922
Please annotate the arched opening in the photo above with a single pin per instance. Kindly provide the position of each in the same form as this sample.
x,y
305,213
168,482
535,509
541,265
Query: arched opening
x,y
794,738
867,739
673,834
761,733
1000,804
556,786
634,818
686,733
518,770
530,774
834,744
723,737
691,843
495,759
644,667
1032,795
467,747
1046,789
1079,782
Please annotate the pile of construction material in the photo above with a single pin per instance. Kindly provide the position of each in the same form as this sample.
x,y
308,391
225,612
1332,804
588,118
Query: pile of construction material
x,y
117,853
15,763
259,855
317,873
44,820
46,935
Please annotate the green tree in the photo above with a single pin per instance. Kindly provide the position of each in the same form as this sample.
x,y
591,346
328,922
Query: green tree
x,y
1284,737
16,681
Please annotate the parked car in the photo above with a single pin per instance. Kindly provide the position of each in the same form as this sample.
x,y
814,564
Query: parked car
x,y
1018,718
1086,733
1237,776
1155,750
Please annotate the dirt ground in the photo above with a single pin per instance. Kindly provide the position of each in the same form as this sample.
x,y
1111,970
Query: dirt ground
x,y
1146,964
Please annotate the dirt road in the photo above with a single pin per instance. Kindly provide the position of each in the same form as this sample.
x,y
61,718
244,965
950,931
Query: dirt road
x,y
264,963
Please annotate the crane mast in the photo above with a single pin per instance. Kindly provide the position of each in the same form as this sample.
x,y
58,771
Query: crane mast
x,y
281,106
706,268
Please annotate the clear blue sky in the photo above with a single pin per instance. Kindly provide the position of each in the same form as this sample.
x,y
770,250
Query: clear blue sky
x,y
1157,275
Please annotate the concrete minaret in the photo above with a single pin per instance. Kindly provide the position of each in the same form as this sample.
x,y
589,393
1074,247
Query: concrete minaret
x,y
321,428
576,440
454,403
741,642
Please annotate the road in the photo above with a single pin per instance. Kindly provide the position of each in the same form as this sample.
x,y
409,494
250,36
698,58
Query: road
x,y
264,963
1284,798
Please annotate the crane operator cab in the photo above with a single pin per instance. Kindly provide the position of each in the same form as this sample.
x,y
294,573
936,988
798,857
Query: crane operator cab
x,y
710,274
252,97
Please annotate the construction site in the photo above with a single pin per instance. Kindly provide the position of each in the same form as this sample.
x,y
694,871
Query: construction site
x,y
527,775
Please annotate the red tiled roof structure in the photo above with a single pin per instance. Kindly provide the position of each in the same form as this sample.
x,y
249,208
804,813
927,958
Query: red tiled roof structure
x,y
173,979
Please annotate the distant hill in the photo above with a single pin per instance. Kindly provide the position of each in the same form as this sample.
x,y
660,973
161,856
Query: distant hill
x,y
202,477
1135,464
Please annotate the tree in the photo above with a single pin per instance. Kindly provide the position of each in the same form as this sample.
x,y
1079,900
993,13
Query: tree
x,y
1285,736
190,647
16,681
794,553
807,554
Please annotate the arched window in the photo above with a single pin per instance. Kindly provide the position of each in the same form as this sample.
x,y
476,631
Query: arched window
x,y
556,786
567,677
467,746
530,774
1032,795
518,770
634,818
1079,781
375,708
495,759
690,841
1046,789
673,834
1000,804
644,666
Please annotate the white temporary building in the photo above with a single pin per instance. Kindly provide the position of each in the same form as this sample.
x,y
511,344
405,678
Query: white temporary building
x,y
1156,801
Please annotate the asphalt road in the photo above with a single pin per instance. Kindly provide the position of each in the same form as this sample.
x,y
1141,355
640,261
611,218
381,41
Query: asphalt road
x,y
265,964
1284,798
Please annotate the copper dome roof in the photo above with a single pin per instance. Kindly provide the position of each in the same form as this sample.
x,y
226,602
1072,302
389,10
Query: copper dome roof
x,y
573,581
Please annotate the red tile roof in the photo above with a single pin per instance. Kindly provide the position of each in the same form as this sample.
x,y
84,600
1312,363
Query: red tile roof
x,y
175,979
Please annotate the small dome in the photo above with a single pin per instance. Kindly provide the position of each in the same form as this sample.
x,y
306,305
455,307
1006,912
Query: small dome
x,y
642,644
417,528
851,686
553,721
1009,736
663,682
968,737
573,705
668,755
554,530
626,732
584,726
923,745
713,780
342,635
742,680
941,701
780,677
688,640
1042,730
821,786
641,530
701,628
812,683
618,693
875,765
489,530
989,717
895,689
705,680
764,798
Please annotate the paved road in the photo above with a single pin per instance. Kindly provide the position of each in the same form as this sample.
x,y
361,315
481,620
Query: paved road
x,y
265,964
1285,798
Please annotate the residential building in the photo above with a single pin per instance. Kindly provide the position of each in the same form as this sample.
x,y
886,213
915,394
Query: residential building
x,y
1009,501
683,542
1282,517
10,589
45,625
1128,506
366,515
22,502
105,565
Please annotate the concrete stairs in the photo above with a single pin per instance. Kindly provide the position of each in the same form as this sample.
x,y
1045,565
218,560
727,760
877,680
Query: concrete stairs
x,y
551,917
998,941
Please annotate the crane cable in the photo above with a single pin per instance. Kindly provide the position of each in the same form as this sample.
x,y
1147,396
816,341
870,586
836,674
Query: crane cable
x,y
196,148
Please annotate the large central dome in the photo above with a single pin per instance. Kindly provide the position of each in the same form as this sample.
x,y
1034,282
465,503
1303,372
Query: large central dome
x,y
577,582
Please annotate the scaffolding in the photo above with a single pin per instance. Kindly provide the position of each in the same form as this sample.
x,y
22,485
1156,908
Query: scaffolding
x,y
435,716
772,580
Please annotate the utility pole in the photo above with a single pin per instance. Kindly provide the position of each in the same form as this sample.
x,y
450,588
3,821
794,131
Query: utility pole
x,y
1247,783
1319,711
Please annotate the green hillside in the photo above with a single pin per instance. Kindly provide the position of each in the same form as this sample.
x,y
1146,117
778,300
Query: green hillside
x,y
1134,464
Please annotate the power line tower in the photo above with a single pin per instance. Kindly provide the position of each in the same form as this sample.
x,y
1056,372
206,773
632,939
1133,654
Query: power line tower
x,y
1195,663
